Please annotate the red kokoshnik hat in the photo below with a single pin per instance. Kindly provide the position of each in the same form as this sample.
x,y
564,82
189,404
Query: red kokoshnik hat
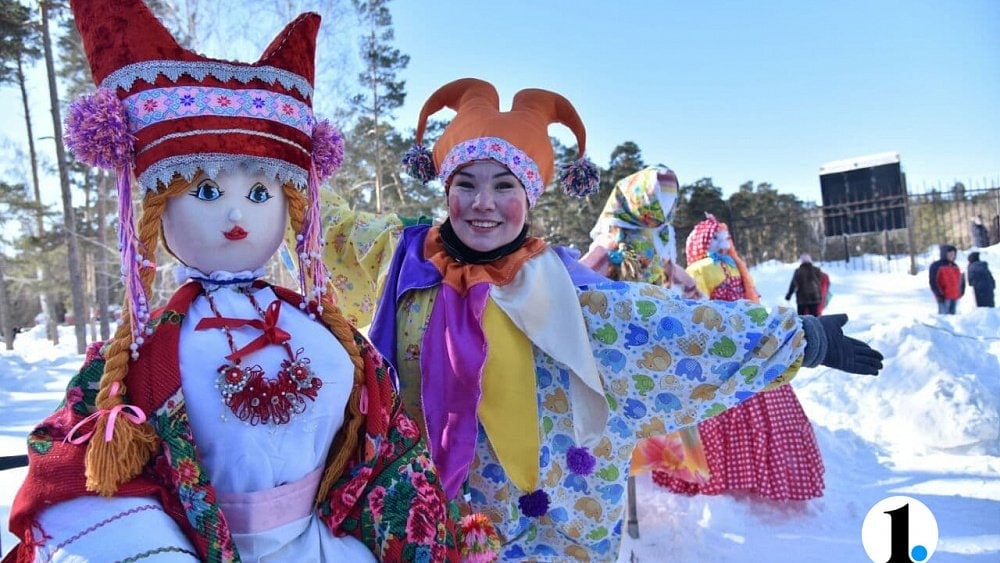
x,y
161,110
518,138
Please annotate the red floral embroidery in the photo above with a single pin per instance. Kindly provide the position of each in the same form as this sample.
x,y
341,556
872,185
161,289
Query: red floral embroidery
x,y
352,491
408,428
425,513
377,501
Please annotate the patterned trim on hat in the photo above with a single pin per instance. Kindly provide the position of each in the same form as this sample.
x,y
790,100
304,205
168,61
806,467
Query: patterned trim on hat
x,y
273,137
211,164
164,104
501,151
126,76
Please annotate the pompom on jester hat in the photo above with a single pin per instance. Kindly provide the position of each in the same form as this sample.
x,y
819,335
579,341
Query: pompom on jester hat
x,y
161,111
517,139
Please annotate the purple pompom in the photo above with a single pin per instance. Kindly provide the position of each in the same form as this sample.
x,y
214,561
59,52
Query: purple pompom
x,y
580,178
97,131
534,504
418,163
580,461
328,150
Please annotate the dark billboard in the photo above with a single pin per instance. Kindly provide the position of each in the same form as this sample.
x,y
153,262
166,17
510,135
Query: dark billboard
x,y
862,199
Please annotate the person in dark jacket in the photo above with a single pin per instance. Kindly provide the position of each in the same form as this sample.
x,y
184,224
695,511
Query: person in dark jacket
x,y
980,234
981,280
946,280
807,286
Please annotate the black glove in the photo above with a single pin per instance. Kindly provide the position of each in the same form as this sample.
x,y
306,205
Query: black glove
x,y
787,297
846,353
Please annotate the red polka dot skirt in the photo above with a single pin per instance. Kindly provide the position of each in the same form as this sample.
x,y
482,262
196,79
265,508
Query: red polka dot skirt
x,y
763,446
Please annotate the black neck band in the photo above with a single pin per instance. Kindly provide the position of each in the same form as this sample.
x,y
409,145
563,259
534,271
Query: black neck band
x,y
459,251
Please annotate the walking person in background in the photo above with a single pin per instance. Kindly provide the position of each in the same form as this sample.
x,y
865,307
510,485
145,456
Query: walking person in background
x,y
946,280
807,285
981,280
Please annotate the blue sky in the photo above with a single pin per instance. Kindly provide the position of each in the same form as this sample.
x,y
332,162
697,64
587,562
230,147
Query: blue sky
x,y
735,90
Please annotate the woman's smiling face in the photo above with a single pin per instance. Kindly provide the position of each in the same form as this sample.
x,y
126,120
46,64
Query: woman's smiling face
x,y
487,205
232,222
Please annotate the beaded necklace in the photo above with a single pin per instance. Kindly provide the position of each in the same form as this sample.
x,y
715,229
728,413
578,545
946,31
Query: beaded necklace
x,y
244,389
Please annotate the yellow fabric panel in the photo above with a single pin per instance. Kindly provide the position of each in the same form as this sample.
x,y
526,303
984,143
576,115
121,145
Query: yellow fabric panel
x,y
509,408
707,275
358,247
412,316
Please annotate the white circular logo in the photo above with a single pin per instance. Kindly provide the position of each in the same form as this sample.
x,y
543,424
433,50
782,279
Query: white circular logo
x,y
899,530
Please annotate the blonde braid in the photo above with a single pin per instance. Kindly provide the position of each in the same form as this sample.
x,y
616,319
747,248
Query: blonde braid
x,y
346,443
111,463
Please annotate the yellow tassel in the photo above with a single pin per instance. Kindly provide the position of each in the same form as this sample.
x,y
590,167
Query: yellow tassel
x,y
110,464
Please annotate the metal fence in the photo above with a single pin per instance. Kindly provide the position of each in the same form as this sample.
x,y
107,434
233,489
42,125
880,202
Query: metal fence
x,y
934,217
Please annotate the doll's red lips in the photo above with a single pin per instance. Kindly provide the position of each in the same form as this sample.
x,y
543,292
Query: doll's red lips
x,y
236,233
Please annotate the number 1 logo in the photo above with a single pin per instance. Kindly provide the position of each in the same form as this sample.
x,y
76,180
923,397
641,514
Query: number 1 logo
x,y
899,530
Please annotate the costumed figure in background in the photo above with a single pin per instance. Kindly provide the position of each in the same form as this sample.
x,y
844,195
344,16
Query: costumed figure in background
x,y
533,377
242,421
766,445
634,236
634,240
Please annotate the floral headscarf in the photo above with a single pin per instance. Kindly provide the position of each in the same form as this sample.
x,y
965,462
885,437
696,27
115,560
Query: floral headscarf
x,y
639,213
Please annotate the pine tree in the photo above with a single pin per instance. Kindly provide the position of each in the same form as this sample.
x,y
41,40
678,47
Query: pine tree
x,y
693,201
373,145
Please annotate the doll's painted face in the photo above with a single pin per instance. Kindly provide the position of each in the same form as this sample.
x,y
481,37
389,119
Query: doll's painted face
x,y
720,241
232,222
487,205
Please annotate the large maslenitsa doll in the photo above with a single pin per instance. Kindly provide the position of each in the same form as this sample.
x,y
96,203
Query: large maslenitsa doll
x,y
241,421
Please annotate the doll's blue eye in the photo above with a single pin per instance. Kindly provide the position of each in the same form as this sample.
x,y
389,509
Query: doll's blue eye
x,y
207,190
259,194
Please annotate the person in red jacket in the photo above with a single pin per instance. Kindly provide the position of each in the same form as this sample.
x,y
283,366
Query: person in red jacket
x,y
946,281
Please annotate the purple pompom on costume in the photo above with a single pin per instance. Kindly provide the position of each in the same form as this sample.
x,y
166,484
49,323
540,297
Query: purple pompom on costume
x,y
581,178
418,163
97,131
580,461
328,150
534,504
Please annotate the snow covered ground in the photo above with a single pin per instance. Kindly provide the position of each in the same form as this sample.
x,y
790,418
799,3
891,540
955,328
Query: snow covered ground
x,y
928,427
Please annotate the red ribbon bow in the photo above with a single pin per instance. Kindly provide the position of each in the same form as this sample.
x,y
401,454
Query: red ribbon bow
x,y
271,333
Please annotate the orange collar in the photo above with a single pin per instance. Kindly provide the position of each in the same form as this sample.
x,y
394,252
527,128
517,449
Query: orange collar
x,y
462,276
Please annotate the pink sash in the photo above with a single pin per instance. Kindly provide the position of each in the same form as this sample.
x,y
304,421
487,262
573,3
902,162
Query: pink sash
x,y
260,511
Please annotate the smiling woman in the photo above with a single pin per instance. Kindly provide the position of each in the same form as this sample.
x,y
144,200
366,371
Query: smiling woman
x,y
487,206
532,377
